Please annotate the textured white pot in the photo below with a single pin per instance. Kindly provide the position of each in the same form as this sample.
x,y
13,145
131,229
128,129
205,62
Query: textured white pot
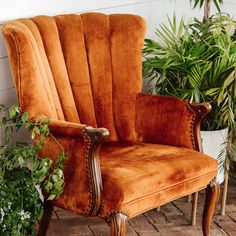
x,y
213,142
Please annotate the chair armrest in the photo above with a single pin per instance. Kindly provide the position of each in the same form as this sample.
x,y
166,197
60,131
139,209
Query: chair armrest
x,y
65,128
82,169
200,109
169,120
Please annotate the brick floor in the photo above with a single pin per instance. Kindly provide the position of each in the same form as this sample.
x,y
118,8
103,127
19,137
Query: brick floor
x,y
172,219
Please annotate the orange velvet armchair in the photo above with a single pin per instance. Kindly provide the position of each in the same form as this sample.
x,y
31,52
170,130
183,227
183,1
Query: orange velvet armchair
x,y
85,71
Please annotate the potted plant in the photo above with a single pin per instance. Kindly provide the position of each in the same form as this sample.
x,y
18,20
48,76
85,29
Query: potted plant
x,y
197,61
24,174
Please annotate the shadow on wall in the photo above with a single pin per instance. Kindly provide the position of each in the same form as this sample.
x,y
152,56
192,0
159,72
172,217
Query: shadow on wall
x,y
21,136
149,86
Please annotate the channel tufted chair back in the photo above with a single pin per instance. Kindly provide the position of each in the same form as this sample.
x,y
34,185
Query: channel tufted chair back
x,y
85,69
84,72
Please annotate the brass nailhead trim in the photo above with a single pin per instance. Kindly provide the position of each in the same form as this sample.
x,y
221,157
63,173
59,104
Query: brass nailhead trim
x,y
192,125
101,208
88,139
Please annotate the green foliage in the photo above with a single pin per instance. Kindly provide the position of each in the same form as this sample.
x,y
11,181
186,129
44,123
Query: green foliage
x,y
200,3
23,174
196,61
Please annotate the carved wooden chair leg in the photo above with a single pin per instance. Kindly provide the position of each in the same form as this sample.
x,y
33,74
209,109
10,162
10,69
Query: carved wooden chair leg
x,y
117,222
212,196
45,221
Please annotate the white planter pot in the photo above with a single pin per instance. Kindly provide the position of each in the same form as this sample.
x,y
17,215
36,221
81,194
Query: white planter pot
x,y
213,142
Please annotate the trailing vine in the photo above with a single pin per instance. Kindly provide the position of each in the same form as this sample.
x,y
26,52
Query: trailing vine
x,y
24,175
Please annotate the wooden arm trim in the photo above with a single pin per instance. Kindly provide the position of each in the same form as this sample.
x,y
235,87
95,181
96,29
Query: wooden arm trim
x,y
199,111
95,138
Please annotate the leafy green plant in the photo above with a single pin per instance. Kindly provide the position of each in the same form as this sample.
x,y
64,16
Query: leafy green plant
x,y
197,61
23,174
207,6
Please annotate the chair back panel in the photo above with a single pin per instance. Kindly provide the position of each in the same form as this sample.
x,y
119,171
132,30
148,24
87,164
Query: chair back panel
x,y
81,68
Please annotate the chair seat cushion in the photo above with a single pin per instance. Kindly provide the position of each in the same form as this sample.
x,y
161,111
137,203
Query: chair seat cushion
x,y
140,176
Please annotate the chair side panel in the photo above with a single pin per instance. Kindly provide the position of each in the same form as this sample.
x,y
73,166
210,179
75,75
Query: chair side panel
x,y
45,70
27,70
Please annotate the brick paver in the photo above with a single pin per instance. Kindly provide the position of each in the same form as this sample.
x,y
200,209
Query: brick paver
x,y
172,219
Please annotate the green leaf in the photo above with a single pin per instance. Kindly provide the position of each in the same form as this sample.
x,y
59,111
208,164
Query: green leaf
x,y
226,83
37,130
3,121
33,135
212,91
217,4
24,117
13,112
55,178
48,186
20,161
200,3
51,197
197,2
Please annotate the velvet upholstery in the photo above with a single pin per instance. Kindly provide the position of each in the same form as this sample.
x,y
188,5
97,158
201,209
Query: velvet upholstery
x,y
88,88
86,70
76,191
142,175
154,114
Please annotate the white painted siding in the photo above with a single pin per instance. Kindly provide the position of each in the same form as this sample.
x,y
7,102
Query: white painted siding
x,y
154,11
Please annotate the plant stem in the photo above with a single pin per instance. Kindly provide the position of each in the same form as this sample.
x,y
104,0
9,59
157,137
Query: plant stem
x,y
56,141
21,200
10,125
207,8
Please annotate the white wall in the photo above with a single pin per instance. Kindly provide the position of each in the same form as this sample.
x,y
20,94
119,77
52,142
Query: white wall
x,y
154,11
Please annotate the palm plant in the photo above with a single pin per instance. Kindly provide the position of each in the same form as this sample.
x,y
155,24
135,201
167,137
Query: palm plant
x,y
197,61
207,6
